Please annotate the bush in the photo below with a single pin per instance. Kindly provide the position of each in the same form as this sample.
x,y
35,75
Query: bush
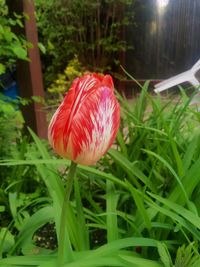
x,y
89,29
12,46
63,81
11,124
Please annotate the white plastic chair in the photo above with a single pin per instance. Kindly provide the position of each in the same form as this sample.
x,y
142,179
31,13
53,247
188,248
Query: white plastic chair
x,y
187,76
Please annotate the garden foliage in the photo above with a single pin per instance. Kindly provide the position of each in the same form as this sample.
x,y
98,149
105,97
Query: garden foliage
x,y
11,123
138,207
12,45
63,81
90,29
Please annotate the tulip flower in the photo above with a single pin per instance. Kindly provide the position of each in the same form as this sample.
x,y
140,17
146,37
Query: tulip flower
x,y
86,123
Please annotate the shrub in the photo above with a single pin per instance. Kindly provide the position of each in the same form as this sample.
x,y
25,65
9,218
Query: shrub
x,y
89,29
11,123
63,81
12,46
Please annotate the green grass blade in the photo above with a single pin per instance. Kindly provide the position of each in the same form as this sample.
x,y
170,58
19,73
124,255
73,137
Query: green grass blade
x,y
139,201
181,211
122,144
177,156
119,244
139,262
177,219
130,169
190,181
31,260
190,152
164,255
82,229
37,220
169,167
111,210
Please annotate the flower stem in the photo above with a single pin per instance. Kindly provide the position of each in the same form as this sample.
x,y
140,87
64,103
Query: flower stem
x,y
65,251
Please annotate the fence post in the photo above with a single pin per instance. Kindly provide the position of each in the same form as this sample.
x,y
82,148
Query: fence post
x,y
29,74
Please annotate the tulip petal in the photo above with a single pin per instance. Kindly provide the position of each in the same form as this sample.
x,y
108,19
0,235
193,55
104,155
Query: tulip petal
x,y
86,123
59,120
94,126
108,81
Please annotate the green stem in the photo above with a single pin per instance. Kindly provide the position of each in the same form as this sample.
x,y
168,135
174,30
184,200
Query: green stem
x,y
65,251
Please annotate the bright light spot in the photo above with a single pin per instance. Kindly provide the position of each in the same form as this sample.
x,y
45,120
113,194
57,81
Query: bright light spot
x,y
153,28
162,3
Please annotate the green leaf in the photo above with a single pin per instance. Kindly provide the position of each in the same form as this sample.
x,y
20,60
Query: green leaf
x,y
13,204
37,220
6,240
164,255
130,169
185,256
82,229
176,219
185,213
2,68
20,52
2,208
131,261
122,144
31,260
9,36
169,167
42,48
111,211
139,200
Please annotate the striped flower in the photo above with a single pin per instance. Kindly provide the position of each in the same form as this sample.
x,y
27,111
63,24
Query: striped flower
x,y
86,123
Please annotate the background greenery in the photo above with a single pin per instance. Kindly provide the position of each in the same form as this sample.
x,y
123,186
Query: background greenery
x,y
88,29
12,46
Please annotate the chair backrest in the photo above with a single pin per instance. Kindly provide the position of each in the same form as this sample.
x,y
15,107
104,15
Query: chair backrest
x,y
192,75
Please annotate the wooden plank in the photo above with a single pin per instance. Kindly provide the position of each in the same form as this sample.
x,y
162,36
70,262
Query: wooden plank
x,y
29,74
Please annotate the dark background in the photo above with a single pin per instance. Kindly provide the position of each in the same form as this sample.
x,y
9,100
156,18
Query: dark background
x,y
165,41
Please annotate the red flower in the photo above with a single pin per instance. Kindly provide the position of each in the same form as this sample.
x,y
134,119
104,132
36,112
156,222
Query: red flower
x,y
86,123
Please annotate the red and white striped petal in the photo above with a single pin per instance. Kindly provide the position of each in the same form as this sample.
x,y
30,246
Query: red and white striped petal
x,y
85,125
95,127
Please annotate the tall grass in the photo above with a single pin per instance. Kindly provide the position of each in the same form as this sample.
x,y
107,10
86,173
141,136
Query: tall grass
x,y
138,207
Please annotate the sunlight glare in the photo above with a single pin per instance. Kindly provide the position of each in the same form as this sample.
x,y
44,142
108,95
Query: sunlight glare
x,y
162,3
